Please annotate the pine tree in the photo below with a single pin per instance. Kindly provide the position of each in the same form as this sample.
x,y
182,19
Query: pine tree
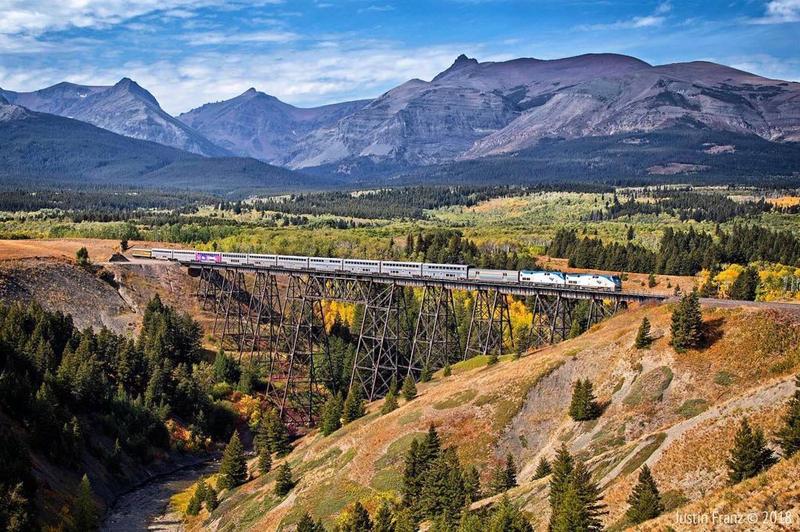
x,y
447,370
687,323
583,406
493,359
644,501
383,521
201,490
543,469
85,510
82,256
233,468
331,419
211,499
277,435
745,286
505,475
307,524
404,521
357,521
193,508
264,461
574,496
561,479
749,455
425,374
409,388
353,405
389,402
651,281
643,338
788,437
507,518
284,482
472,484
412,471
442,492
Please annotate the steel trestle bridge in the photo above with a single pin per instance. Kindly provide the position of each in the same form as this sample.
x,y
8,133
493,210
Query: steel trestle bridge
x,y
282,324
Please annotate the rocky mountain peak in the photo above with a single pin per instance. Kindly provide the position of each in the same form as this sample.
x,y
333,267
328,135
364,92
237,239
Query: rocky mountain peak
x,y
130,86
461,62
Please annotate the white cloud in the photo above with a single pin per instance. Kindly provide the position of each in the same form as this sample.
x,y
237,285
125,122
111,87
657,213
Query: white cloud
x,y
216,38
35,17
648,21
655,19
780,11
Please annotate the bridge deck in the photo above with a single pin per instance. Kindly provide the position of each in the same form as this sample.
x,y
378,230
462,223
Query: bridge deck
x,y
518,289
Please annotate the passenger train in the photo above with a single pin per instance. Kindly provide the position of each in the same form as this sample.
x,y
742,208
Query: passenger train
x,y
394,268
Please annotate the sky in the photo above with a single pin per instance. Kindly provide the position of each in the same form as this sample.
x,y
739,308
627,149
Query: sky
x,y
313,52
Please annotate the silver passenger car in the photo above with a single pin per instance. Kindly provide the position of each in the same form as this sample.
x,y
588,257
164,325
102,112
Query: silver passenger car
x,y
326,264
293,262
362,266
502,276
403,269
444,271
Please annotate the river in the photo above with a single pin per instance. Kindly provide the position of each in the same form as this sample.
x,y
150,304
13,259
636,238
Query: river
x,y
147,506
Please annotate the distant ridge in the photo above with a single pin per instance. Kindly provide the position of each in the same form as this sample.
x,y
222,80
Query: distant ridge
x,y
40,148
124,108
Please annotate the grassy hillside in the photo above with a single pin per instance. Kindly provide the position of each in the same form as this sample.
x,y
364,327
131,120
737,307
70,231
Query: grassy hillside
x,y
676,412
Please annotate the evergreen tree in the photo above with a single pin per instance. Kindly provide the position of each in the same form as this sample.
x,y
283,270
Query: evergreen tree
x,y
749,455
651,281
472,522
788,436
276,435
404,521
264,461
472,484
443,493
211,499
543,469
201,490
383,521
409,388
84,509
563,466
353,405
507,518
425,374
233,468
225,368
357,521
412,472
447,370
82,256
193,508
307,524
643,338
745,286
583,406
687,323
331,419
505,475
389,402
284,482
493,359
645,500
574,496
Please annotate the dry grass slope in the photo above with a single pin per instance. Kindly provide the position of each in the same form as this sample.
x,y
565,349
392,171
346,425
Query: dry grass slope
x,y
676,413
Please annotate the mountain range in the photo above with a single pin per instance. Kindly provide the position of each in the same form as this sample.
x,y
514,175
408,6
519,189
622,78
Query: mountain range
x,y
471,112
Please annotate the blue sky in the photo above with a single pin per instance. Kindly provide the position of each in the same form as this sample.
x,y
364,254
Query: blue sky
x,y
311,52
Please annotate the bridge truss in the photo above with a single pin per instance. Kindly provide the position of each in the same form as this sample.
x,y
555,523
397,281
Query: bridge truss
x,y
275,318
